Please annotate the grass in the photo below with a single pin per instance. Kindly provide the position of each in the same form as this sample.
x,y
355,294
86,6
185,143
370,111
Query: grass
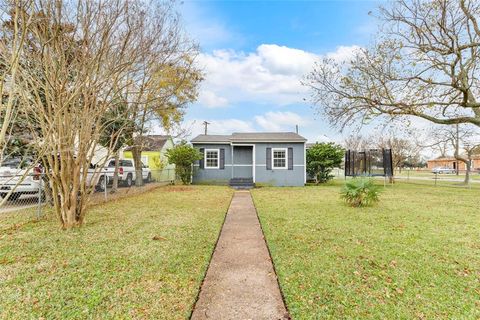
x,y
440,183
138,257
414,255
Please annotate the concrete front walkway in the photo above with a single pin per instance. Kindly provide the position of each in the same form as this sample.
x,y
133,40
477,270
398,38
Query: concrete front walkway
x,y
240,281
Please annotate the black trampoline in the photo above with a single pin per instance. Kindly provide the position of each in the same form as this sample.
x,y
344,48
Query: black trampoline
x,y
370,163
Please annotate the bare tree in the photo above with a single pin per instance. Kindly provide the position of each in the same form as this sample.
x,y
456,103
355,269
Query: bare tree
x,y
81,57
162,97
14,25
404,150
463,140
355,142
424,64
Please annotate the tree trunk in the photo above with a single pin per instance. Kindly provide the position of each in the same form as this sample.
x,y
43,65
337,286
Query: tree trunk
x,y
137,160
468,166
391,179
115,172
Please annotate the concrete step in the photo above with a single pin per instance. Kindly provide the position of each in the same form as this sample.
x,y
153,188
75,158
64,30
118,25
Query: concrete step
x,y
241,183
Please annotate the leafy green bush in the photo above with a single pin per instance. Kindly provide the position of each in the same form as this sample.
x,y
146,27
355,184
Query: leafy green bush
x,y
321,159
183,156
360,192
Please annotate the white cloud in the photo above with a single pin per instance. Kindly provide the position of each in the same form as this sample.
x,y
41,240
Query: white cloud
x,y
270,75
221,126
270,121
343,53
284,60
210,100
280,121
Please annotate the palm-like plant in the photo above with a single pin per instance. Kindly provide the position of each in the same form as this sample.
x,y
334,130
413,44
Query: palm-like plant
x,y
360,192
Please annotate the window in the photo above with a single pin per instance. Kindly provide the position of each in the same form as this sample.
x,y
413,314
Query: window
x,y
126,163
211,158
279,158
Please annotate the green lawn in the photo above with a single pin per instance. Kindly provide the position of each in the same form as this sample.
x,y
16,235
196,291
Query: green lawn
x,y
138,257
414,255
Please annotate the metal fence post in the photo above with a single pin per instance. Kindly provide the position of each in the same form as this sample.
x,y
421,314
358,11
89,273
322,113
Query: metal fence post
x,y
39,206
105,185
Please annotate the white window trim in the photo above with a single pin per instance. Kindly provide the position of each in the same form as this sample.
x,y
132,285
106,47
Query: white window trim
x,y
286,158
205,159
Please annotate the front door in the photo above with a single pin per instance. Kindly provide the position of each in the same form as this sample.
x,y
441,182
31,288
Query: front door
x,y
242,164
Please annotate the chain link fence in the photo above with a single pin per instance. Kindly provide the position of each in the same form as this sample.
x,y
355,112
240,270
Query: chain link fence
x,y
30,191
22,190
428,178
450,179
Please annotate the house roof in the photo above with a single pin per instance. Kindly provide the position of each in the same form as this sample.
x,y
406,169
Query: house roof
x,y
245,137
154,142
439,159
211,138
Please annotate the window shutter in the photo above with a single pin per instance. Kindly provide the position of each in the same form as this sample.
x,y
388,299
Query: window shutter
x,y
269,159
290,158
201,162
222,159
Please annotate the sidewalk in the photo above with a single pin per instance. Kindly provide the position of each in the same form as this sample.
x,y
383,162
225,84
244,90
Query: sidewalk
x,y
240,281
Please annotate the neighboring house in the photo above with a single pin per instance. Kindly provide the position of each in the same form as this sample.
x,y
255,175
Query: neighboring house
x,y
451,162
244,159
154,156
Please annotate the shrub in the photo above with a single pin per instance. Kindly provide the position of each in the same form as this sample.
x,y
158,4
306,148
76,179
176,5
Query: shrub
x,y
360,192
183,156
321,159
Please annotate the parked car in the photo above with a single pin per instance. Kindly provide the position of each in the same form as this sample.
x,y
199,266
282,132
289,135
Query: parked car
x,y
445,170
146,173
20,176
126,172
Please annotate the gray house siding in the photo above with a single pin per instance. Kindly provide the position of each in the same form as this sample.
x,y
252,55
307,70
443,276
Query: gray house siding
x,y
280,177
243,167
213,176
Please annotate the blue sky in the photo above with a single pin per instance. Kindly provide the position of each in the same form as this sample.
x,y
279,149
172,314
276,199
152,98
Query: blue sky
x,y
254,54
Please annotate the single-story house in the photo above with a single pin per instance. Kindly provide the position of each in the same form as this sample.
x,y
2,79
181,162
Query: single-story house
x,y
154,156
242,159
451,162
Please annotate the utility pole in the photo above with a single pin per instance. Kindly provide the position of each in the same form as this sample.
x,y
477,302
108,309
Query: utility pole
x,y
205,123
296,128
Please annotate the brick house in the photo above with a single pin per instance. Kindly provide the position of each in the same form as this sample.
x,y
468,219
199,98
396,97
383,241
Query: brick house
x,y
451,162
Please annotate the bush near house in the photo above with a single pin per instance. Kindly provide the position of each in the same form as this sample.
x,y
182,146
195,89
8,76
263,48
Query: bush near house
x,y
321,159
183,156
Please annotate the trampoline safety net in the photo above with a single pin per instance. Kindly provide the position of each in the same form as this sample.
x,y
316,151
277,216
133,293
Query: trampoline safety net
x,y
373,162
